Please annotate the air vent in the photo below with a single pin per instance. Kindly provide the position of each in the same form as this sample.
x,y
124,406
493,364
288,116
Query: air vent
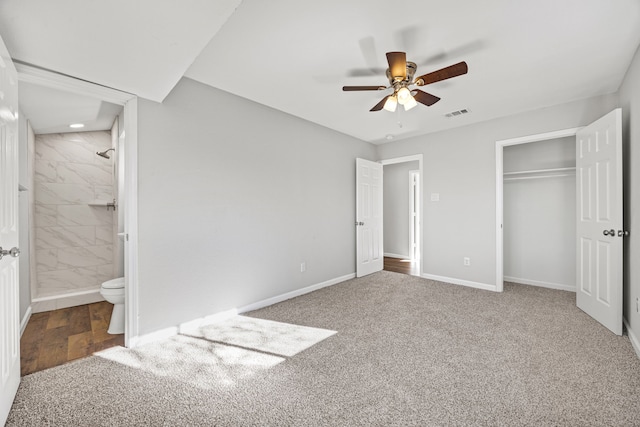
x,y
457,113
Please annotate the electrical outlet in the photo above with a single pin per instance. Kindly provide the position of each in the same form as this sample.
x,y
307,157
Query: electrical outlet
x,y
466,261
303,267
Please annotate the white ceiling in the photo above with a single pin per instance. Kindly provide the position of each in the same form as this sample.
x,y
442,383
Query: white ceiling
x,y
295,56
142,46
52,111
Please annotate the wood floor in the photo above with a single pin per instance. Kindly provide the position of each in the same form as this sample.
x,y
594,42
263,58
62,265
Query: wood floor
x,y
403,266
55,337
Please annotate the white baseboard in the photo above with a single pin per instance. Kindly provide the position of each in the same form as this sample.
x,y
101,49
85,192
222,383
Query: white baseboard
x,y
550,285
270,301
70,299
391,255
153,336
635,342
462,282
207,320
25,320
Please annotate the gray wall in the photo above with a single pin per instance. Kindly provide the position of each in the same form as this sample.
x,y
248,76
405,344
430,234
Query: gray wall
x,y
540,214
25,178
233,196
396,207
459,164
630,102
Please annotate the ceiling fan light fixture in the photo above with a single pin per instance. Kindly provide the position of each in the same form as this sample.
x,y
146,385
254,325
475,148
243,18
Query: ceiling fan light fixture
x,y
391,104
403,95
409,103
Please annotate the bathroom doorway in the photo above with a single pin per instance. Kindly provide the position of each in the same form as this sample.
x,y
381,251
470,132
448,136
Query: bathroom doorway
x,y
80,222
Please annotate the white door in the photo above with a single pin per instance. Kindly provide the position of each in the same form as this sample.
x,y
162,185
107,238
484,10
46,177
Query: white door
x,y
369,250
9,312
599,220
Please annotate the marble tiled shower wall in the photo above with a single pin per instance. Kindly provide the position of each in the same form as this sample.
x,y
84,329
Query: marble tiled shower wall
x,y
73,239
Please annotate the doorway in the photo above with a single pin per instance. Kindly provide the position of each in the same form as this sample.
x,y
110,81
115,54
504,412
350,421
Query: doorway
x,y
598,207
500,177
126,140
402,205
539,211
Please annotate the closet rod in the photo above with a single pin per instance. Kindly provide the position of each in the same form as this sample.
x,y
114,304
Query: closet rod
x,y
541,171
538,177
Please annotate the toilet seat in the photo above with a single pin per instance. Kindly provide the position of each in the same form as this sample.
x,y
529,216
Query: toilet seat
x,y
114,283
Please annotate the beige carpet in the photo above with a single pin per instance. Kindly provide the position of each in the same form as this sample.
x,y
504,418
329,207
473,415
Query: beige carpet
x,y
407,352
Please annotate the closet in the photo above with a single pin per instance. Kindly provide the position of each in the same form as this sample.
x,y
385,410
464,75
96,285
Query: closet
x,y
540,213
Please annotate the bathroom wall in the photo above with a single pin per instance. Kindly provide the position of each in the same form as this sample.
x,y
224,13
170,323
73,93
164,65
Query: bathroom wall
x,y
117,139
73,228
26,153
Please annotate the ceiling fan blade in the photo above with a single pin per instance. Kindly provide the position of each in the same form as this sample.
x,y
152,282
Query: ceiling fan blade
x,y
356,88
380,105
424,97
397,64
445,73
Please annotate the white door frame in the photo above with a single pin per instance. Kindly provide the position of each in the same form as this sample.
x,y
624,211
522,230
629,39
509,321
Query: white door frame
x,y
414,207
419,159
499,189
57,81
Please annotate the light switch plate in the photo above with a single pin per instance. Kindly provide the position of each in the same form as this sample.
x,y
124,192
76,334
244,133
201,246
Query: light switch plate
x,y
435,197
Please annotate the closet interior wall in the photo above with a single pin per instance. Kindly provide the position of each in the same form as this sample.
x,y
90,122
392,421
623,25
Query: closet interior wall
x,y
540,213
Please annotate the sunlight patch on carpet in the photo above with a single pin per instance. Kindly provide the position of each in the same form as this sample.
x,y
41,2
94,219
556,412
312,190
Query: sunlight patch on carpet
x,y
283,339
196,361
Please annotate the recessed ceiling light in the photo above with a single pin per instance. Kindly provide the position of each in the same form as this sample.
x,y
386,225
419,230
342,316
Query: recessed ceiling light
x,y
76,125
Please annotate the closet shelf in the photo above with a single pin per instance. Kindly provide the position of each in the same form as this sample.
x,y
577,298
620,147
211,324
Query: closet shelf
x,y
539,174
540,171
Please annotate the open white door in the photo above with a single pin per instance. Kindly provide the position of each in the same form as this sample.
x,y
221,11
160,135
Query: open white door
x,y
369,249
9,311
599,220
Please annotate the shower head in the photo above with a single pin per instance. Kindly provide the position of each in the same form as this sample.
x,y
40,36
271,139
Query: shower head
x,y
104,153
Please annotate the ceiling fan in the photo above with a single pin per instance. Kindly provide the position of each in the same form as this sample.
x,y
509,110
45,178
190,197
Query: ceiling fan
x,y
400,74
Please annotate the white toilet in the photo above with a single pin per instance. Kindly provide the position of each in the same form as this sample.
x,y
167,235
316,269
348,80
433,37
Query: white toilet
x,y
113,291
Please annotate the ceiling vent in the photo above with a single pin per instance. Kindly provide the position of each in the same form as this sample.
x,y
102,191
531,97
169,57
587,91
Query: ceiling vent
x,y
457,113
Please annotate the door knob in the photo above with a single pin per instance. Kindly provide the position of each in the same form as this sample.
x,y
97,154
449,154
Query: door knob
x,y
623,233
14,252
611,232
